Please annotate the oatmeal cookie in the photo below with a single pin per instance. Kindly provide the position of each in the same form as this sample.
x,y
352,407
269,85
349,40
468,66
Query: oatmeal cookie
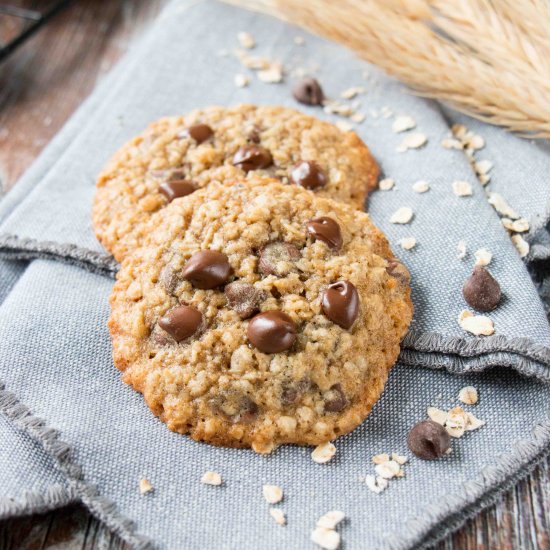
x,y
257,314
176,155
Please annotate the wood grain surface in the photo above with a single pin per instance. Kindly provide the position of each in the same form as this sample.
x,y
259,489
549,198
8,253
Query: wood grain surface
x,y
40,86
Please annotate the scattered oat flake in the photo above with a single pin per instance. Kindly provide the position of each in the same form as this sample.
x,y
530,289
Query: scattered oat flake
x,y
403,123
323,453
350,93
376,484
272,493
253,62
299,40
517,226
331,519
476,142
483,257
327,539
522,246
337,108
246,40
461,247
468,395
211,478
412,141
473,423
278,515
451,143
483,166
386,184
408,243
381,458
484,179
501,206
462,188
145,486
357,117
459,130
402,215
343,126
476,324
456,422
400,459
241,80
421,186
271,75
388,469
437,415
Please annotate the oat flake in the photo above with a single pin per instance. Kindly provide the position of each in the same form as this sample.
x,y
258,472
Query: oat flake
x,y
437,415
387,470
145,486
211,478
381,458
246,40
473,423
376,484
386,184
241,80
331,519
350,93
272,493
483,166
323,453
483,257
521,245
476,324
412,141
462,188
402,215
343,126
400,459
421,186
357,117
468,395
403,123
461,247
326,538
501,206
278,515
451,143
271,75
517,226
408,243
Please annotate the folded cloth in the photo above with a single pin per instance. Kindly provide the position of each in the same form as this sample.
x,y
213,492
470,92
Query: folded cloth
x,y
55,350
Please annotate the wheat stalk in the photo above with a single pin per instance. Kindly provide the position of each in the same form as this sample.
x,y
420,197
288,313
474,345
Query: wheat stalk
x,y
487,58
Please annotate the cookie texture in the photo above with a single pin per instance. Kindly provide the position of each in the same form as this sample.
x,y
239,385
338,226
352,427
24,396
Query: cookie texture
x,y
176,155
244,327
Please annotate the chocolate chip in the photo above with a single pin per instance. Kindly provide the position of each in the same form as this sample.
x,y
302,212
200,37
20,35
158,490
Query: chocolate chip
x,y
252,157
291,393
207,269
308,91
171,174
326,230
275,258
235,407
340,303
244,298
428,440
248,411
308,174
397,270
335,399
181,322
482,290
177,188
200,132
272,331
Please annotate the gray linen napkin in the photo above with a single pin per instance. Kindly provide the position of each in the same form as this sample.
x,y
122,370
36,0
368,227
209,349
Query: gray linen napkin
x,y
52,324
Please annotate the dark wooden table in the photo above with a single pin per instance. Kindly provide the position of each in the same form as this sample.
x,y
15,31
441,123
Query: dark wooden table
x,y
40,86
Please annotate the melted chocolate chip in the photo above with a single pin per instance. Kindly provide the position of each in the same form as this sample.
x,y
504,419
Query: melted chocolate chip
x,y
335,399
397,270
177,188
308,174
340,303
482,290
272,331
326,230
428,440
200,132
181,322
252,157
291,393
207,269
278,258
308,91
244,298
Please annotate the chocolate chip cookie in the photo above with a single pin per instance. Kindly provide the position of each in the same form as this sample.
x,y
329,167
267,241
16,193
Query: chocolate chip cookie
x,y
258,313
177,155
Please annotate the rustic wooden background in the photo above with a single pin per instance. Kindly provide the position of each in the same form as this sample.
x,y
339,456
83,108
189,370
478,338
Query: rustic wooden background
x,y
40,86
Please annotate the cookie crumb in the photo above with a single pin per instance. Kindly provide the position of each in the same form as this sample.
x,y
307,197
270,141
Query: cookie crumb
x,y
326,538
476,324
211,478
246,40
462,188
421,186
145,486
483,257
408,243
468,395
278,515
376,484
522,246
402,215
403,123
241,80
323,453
272,493
386,184
461,247
412,141
331,519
